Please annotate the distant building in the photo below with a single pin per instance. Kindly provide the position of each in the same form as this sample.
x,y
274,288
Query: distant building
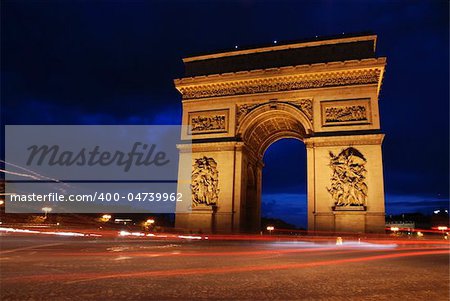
x,y
420,220
123,221
401,225
440,218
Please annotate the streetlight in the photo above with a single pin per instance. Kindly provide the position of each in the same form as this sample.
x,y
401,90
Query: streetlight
x,y
149,223
2,202
443,229
46,211
106,217
395,229
270,229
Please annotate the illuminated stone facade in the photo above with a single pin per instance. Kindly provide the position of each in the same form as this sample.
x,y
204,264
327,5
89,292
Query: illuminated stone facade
x,y
237,108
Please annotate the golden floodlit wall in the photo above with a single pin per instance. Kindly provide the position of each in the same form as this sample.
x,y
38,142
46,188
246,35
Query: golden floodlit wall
x,y
234,117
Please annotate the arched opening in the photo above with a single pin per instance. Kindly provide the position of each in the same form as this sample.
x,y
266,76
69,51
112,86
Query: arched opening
x,y
284,202
263,127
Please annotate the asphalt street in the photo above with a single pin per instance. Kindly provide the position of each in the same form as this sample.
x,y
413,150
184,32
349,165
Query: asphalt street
x,y
37,267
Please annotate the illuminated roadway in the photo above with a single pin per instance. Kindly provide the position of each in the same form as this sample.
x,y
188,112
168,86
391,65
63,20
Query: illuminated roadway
x,y
37,267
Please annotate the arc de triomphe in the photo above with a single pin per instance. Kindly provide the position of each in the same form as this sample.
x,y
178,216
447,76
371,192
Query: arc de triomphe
x,y
322,92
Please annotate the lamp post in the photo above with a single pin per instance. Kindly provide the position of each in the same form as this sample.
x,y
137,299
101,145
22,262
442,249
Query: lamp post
x,y
46,211
395,229
270,229
149,223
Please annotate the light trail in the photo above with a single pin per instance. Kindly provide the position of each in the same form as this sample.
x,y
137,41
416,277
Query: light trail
x,y
33,175
29,248
309,251
253,238
61,233
217,253
39,176
84,277
19,174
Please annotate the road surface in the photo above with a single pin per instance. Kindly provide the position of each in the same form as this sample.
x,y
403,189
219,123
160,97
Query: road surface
x,y
49,267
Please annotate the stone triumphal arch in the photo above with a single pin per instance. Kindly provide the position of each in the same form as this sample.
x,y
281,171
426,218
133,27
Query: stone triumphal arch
x,y
323,92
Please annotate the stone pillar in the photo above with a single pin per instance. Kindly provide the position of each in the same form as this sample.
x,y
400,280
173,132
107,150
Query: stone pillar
x,y
335,164
311,186
224,215
250,199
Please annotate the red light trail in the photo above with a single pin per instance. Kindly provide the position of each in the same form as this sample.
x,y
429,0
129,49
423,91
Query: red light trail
x,y
82,277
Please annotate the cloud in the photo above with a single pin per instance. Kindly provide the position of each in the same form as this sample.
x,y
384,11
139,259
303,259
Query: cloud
x,y
396,204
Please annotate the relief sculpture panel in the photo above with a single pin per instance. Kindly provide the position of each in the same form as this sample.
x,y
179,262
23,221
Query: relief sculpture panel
x,y
351,113
304,105
208,122
348,181
205,182
346,112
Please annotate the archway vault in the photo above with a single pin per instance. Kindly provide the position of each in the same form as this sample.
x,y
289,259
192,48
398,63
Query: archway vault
x,y
235,111
270,122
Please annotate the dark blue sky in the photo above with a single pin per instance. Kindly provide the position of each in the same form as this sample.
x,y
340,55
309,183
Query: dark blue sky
x,y
99,62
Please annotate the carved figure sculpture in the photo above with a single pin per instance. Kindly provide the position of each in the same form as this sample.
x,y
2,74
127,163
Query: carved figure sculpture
x,y
348,186
343,114
205,182
208,123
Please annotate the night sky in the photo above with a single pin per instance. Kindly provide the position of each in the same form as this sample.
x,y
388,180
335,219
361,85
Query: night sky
x,y
113,62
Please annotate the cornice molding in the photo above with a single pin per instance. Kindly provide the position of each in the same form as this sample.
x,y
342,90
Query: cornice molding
x,y
369,139
210,146
275,80
287,70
